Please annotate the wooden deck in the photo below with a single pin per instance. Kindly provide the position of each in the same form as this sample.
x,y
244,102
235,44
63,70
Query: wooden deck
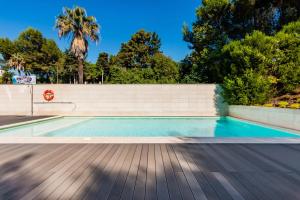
x,y
150,171
6,120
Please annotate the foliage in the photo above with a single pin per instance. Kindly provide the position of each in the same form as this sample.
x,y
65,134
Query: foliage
x,y
32,52
16,61
67,68
6,77
283,104
247,89
141,61
276,57
165,69
137,52
76,24
219,22
7,48
102,67
295,106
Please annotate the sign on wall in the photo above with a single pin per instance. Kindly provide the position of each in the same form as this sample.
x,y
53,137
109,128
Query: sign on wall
x,y
31,80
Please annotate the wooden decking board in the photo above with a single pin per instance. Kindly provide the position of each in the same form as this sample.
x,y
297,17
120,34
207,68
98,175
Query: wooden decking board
x,y
20,176
161,181
131,177
218,158
248,195
184,187
26,180
235,195
20,168
58,175
263,186
268,156
216,185
18,153
109,180
173,158
140,183
240,161
7,148
75,171
151,193
187,170
202,159
288,188
101,174
79,190
118,186
173,188
150,171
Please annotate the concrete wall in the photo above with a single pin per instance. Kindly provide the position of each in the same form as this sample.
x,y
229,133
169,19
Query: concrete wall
x,y
114,100
286,118
15,100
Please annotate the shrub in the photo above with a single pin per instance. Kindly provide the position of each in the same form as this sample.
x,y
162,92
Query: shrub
x,y
248,89
283,104
295,106
268,105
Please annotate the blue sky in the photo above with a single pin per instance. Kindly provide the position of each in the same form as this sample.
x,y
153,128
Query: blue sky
x,y
119,19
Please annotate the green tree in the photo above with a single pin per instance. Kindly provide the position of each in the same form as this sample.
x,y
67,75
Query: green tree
x,y
68,68
258,56
250,88
76,24
103,66
219,22
7,48
137,52
17,61
165,69
40,54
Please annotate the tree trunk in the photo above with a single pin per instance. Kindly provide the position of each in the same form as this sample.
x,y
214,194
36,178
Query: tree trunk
x,y
80,71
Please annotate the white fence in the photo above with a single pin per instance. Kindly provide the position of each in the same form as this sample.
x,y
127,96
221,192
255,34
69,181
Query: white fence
x,y
286,118
113,100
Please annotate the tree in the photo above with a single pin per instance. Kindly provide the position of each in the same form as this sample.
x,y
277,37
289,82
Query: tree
x,y
219,22
7,48
40,54
76,24
165,69
260,66
137,52
17,61
103,66
68,68
250,88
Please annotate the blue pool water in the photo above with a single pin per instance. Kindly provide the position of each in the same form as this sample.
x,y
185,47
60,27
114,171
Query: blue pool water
x,y
145,127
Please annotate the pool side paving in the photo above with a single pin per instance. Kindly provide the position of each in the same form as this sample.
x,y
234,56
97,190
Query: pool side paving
x,y
150,171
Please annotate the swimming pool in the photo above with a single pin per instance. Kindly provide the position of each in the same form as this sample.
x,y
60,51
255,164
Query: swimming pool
x,y
211,127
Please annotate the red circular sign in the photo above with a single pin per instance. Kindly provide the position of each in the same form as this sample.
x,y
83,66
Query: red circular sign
x,y
48,95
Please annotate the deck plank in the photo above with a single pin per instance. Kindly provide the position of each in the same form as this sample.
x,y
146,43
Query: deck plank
x,y
119,184
131,177
150,171
140,184
151,193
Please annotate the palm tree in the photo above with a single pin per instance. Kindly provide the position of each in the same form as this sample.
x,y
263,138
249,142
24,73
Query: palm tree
x,y
76,24
17,61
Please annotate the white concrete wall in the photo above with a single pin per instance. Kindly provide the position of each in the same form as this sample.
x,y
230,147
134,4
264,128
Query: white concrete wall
x,y
286,118
15,100
119,100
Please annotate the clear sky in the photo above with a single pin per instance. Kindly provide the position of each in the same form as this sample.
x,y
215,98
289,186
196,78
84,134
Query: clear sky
x,y
119,19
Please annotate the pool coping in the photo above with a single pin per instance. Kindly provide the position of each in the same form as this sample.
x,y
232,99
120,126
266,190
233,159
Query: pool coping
x,y
146,140
142,140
